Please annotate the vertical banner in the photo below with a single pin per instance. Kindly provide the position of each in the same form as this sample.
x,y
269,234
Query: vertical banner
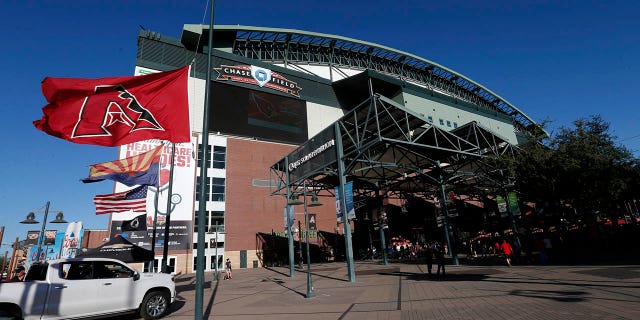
x,y
32,237
312,222
348,191
502,206
50,237
288,217
513,203
71,243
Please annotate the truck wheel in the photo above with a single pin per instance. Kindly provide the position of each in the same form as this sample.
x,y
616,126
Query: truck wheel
x,y
154,305
10,312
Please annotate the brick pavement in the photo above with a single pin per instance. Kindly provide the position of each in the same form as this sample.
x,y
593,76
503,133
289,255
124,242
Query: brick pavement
x,y
404,291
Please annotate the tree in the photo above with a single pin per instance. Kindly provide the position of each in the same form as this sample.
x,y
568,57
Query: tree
x,y
593,172
581,168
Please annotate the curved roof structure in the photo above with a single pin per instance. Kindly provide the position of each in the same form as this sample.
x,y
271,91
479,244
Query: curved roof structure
x,y
290,46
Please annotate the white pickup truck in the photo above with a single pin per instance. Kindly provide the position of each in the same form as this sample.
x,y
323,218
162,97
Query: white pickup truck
x,y
86,287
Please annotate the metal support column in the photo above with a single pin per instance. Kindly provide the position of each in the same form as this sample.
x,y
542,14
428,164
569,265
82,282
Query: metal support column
x,y
345,218
288,210
447,227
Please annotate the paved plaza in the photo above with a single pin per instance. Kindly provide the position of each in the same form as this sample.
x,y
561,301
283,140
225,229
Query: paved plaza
x,y
405,291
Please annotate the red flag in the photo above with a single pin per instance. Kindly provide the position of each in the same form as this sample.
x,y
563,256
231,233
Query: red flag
x,y
118,110
134,199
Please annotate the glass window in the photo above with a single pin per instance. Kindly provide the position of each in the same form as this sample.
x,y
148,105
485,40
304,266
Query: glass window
x,y
197,189
430,118
441,122
219,157
455,124
37,272
78,270
448,123
108,269
217,194
201,156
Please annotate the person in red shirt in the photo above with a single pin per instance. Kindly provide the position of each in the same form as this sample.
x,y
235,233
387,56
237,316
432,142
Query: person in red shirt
x,y
507,250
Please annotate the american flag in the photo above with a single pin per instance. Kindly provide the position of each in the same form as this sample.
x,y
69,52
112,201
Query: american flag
x,y
134,199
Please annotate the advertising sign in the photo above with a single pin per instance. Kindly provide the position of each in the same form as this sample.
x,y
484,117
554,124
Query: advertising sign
x,y
314,154
72,239
138,229
258,76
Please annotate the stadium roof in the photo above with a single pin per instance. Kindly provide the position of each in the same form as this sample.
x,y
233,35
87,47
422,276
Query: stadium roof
x,y
290,46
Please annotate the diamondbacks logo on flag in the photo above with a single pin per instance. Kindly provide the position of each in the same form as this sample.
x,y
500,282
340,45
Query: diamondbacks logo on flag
x,y
134,200
135,170
118,110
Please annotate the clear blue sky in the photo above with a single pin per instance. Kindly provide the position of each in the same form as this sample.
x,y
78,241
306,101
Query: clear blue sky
x,y
558,60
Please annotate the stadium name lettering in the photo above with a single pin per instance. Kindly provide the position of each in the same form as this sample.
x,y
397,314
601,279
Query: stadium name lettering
x,y
325,146
258,76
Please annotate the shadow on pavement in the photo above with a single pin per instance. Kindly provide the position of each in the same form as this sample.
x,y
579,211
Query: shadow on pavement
x,y
560,296
426,277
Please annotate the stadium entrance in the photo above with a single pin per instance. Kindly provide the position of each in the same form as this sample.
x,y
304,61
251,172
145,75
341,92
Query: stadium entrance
x,y
389,166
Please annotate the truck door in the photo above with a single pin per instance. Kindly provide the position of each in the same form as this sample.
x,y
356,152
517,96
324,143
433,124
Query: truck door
x,y
115,281
71,292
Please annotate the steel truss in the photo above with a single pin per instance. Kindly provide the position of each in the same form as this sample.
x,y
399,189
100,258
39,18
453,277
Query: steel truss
x,y
295,47
392,148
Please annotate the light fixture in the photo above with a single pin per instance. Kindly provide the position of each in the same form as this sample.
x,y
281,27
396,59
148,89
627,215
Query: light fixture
x,y
314,201
59,218
294,200
31,219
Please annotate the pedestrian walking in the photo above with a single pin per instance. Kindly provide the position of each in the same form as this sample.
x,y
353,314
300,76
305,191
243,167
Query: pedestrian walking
x,y
429,257
507,251
227,267
440,259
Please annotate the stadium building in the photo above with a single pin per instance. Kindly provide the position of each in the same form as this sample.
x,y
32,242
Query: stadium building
x,y
387,121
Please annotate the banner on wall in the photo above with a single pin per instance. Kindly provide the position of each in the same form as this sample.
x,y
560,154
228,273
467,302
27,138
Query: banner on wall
x,y
138,229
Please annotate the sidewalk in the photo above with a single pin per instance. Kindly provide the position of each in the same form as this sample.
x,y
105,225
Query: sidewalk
x,y
405,291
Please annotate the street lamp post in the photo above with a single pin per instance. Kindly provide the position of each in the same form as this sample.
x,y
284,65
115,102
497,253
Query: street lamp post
x,y
31,219
300,242
314,203
215,262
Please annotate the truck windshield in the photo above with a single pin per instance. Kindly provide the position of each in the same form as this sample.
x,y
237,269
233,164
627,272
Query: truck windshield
x,y
37,272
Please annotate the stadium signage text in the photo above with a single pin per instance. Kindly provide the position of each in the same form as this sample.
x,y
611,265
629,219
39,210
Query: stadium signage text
x,y
325,146
258,76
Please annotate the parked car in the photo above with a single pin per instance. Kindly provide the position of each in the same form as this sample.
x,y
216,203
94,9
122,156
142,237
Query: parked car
x,y
86,287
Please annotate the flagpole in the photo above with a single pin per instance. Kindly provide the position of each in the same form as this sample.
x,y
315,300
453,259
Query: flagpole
x,y
165,251
203,178
152,267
